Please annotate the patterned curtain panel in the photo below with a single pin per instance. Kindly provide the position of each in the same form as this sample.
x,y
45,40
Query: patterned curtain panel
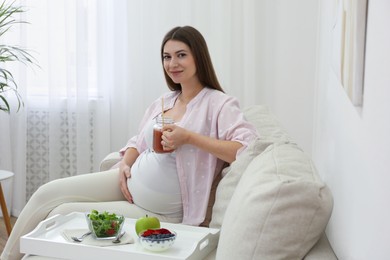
x,y
67,104
49,158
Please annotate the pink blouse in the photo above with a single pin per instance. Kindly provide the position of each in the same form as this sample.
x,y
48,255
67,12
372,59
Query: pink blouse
x,y
211,113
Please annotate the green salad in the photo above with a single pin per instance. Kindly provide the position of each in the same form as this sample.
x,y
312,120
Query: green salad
x,y
105,224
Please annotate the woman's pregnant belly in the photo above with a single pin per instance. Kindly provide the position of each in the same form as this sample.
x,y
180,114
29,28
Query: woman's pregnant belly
x,y
154,183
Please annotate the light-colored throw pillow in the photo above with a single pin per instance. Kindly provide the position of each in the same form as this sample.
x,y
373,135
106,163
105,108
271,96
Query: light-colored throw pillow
x,y
279,209
270,131
232,175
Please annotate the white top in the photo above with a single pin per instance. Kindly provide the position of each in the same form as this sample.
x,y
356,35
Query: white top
x,y
154,182
5,175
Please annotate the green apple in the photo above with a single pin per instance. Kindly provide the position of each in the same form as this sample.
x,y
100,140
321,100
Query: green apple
x,y
145,223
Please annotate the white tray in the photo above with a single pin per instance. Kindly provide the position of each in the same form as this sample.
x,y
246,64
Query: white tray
x,y
46,240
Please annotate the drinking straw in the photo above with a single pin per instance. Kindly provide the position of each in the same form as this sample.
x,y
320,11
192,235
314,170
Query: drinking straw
x,y
162,110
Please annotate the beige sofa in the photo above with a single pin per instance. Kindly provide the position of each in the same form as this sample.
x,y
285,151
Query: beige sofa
x,y
271,204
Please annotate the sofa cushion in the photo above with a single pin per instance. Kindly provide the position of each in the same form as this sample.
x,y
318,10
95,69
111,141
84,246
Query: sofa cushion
x,y
267,125
321,250
279,209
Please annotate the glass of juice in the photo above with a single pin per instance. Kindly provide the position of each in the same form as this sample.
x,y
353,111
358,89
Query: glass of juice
x,y
157,133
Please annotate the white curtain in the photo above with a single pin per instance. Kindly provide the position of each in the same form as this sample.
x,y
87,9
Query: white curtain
x,y
100,68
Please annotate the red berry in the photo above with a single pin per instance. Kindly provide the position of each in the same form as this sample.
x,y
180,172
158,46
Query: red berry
x,y
110,231
164,231
150,232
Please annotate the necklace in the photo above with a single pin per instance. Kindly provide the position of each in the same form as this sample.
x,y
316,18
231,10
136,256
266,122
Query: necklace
x,y
183,100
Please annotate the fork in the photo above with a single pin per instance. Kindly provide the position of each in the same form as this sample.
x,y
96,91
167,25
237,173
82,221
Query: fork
x,y
118,238
80,239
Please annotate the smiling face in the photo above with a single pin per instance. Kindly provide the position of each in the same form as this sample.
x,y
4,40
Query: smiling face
x,y
179,63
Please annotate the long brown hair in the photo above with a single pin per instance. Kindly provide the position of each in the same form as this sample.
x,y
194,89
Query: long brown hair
x,y
197,44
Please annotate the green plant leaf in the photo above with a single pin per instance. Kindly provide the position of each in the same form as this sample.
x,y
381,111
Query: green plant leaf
x,y
6,108
10,53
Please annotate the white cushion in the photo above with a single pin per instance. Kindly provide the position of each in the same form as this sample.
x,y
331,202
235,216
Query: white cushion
x,y
270,131
279,209
228,183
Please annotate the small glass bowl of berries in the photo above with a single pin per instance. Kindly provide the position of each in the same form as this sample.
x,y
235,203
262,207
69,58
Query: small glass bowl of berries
x,y
157,240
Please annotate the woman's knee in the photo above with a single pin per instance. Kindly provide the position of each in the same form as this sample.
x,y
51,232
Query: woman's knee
x,y
45,190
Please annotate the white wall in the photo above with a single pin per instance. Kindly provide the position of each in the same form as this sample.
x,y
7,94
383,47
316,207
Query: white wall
x,y
287,63
351,147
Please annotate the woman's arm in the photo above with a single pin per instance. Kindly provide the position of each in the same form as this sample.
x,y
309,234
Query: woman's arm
x,y
224,150
174,136
129,157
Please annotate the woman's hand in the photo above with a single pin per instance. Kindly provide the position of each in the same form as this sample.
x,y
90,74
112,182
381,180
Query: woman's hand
x,y
173,136
130,156
124,174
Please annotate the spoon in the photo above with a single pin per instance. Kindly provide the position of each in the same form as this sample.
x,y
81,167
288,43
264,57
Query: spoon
x,y
118,238
80,239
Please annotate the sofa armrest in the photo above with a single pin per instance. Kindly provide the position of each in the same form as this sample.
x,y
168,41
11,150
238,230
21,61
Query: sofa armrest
x,y
109,161
322,250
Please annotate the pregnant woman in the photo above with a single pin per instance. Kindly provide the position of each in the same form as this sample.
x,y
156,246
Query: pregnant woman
x,y
209,130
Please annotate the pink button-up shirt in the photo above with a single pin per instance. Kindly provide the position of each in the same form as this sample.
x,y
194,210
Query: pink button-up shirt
x,y
211,113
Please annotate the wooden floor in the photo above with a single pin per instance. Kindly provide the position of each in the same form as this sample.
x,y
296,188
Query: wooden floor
x,y
3,232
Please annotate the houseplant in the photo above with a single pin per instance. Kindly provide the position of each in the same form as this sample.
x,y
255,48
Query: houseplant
x,y
9,53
